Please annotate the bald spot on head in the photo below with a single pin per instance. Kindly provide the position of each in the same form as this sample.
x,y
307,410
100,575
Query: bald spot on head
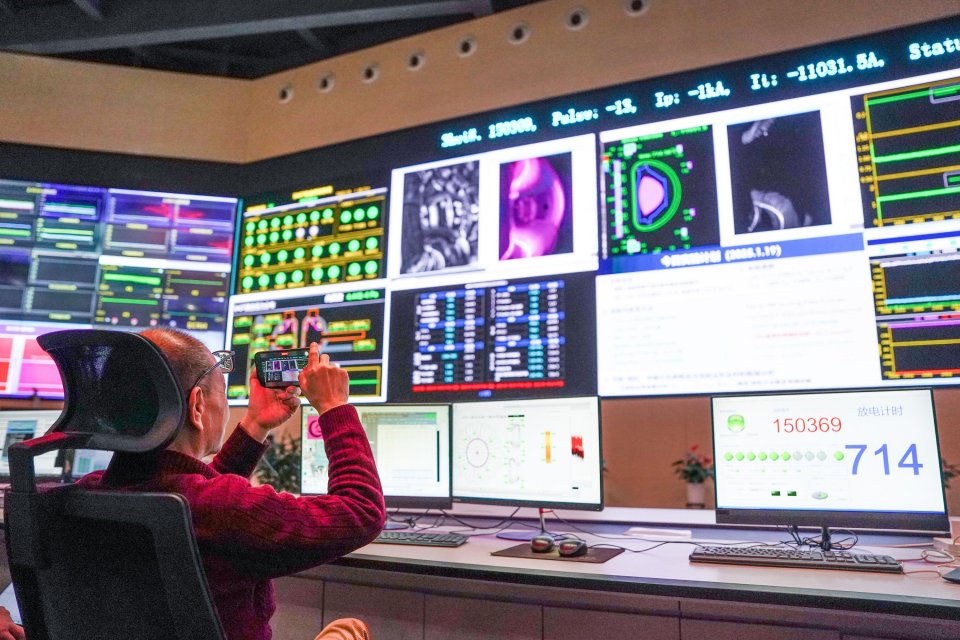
x,y
187,356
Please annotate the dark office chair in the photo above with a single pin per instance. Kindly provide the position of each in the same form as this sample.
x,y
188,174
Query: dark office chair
x,y
106,564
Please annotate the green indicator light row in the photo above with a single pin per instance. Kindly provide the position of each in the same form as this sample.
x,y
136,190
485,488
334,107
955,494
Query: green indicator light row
x,y
786,456
359,214
317,275
317,251
371,243
347,216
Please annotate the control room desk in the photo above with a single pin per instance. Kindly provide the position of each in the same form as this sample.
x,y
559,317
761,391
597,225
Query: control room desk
x,y
430,593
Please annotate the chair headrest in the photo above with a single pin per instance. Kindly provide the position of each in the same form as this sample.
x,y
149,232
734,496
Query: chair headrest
x,y
118,387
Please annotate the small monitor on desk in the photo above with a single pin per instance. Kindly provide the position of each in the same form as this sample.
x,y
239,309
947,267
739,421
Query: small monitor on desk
x,y
411,445
852,459
528,453
17,426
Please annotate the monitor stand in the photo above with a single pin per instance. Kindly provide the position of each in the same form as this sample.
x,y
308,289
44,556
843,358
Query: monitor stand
x,y
526,536
826,543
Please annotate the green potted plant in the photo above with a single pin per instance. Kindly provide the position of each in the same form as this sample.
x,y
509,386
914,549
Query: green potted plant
x,y
694,468
950,471
280,465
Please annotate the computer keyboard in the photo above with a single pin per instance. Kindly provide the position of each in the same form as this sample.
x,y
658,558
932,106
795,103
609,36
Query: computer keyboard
x,y
805,559
421,538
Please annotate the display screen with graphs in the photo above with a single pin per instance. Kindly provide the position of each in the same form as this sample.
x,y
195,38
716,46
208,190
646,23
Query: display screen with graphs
x,y
541,453
783,223
347,325
75,257
530,337
788,222
311,238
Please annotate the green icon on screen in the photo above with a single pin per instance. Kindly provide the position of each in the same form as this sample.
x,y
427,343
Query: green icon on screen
x,y
735,423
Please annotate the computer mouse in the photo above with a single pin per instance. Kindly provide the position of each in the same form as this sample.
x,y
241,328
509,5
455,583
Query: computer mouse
x,y
541,544
572,547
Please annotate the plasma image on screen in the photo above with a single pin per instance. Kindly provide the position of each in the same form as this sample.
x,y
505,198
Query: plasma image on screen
x,y
536,209
441,218
778,173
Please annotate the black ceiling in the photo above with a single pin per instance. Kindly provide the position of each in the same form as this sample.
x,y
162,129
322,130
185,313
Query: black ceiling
x,y
229,38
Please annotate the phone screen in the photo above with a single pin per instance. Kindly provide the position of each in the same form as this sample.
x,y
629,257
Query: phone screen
x,y
280,368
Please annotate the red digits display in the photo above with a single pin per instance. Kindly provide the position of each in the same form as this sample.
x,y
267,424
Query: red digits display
x,y
808,425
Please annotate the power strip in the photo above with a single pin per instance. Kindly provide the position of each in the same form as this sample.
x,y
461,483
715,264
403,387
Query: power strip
x,y
948,545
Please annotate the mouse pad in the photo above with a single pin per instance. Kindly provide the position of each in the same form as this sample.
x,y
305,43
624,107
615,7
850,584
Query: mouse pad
x,y
597,555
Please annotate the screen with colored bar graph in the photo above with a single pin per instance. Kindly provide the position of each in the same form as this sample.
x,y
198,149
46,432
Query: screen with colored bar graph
x,y
535,453
76,257
910,153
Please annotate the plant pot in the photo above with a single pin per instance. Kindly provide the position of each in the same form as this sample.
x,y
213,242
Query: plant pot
x,y
696,495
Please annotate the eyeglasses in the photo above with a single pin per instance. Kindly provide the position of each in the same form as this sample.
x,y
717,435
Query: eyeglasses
x,y
224,363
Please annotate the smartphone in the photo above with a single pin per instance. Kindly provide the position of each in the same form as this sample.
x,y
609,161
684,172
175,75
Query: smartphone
x,y
952,576
280,369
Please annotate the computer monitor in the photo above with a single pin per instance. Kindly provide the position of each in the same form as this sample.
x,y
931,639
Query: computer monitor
x,y
347,322
852,459
528,453
76,257
494,340
411,445
17,426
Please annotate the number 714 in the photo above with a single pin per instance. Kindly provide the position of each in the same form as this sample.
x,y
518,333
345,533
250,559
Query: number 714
x,y
909,460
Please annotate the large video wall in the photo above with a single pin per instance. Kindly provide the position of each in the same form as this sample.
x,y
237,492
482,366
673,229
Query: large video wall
x,y
788,222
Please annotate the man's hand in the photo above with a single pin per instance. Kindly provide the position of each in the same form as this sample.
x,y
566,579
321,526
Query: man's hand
x,y
268,408
9,630
324,383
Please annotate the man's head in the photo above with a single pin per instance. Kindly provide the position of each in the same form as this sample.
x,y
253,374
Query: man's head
x,y
204,388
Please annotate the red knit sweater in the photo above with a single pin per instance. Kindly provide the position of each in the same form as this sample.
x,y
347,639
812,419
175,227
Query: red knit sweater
x,y
248,535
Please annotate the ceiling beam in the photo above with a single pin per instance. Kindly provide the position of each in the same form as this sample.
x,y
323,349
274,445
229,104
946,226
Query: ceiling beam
x,y
204,56
53,29
482,8
313,41
90,7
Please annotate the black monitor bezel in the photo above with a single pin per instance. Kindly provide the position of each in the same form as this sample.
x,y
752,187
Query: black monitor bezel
x,y
834,519
572,506
394,501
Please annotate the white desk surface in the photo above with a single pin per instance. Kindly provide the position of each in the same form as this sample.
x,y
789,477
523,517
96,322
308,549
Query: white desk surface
x,y
666,569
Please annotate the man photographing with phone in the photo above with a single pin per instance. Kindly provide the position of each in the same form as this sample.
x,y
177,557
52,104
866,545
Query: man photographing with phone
x,y
248,535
